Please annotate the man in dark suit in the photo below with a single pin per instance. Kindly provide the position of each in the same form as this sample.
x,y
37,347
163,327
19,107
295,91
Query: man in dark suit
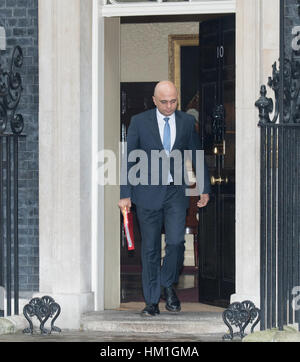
x,y
161,195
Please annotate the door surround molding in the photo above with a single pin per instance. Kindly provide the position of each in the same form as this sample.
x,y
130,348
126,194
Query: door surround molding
x,y
256,50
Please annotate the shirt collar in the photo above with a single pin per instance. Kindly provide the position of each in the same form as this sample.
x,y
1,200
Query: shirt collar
x,y
161,116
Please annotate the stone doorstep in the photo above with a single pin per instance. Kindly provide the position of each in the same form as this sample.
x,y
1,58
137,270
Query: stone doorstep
x,y
289,334
130,322
13,324
115,321
184,323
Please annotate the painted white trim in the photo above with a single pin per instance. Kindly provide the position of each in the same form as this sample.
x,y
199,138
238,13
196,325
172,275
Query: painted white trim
x,y
119,10
94,190
175,8
97,143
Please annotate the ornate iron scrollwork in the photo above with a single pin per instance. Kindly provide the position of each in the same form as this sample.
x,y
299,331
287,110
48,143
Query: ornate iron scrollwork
x,y
291,79
274,83
291,94
265,106
240,315
43,308
10,94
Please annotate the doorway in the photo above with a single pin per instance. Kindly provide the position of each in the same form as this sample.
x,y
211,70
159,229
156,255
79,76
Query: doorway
x,y
139,74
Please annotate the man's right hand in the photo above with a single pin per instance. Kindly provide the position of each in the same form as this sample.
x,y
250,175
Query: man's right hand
x,y
125,203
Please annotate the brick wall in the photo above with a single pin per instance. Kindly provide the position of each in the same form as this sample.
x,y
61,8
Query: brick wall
x,y
20,20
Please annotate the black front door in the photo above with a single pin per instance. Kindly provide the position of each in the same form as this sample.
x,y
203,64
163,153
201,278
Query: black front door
x,y
217,128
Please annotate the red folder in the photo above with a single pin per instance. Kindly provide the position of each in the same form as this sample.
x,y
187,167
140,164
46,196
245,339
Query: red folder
x,y
128,228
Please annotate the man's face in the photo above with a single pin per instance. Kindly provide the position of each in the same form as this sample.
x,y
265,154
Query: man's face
x,y
166,101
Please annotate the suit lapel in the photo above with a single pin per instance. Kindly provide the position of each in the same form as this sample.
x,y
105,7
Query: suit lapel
x,y
179,125
155,130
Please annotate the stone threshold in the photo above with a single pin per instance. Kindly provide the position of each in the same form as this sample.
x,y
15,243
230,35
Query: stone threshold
x,y
194,319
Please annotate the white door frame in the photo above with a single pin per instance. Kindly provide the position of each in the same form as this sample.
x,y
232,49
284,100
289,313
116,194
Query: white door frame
x,y
253,51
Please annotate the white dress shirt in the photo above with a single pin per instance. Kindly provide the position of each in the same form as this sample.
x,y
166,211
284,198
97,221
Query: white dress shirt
x,y
161,125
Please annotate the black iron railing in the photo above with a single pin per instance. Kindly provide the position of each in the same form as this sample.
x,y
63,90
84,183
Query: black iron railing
x,y
10,95
280,184
280,220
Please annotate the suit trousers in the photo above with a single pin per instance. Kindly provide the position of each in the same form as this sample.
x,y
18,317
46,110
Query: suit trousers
x,y
172,216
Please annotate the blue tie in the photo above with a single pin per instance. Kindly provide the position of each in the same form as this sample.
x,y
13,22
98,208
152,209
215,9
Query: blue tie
x,y
167,136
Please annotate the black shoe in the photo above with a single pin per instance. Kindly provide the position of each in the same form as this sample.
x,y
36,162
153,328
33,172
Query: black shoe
x,y
156,309
172,302
151,310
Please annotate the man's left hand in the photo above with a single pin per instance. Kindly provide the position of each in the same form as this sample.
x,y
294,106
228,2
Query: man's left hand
x,y
204,198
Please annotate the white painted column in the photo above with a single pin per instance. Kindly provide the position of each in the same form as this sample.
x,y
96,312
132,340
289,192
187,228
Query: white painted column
x,y
106,136
65,124
98,221
257,48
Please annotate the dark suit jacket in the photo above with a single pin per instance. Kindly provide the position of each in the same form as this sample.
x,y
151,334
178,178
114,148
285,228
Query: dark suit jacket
x,y
143,134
